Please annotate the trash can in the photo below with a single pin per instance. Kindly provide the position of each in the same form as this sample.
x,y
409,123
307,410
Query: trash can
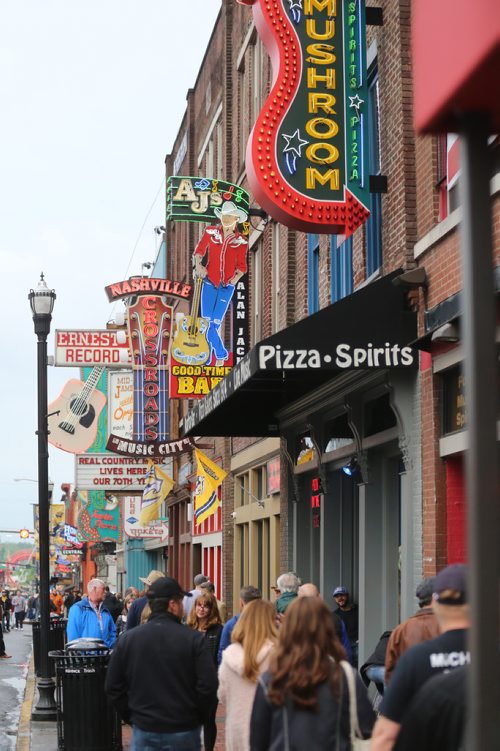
x,y
57,640
85,718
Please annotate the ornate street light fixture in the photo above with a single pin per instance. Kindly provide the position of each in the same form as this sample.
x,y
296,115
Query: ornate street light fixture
x,y
42,303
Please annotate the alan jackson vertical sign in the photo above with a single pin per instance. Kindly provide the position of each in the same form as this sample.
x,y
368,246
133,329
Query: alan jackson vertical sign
x,y
306,156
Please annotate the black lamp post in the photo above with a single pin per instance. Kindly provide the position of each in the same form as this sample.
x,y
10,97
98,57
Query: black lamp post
x,y
42,303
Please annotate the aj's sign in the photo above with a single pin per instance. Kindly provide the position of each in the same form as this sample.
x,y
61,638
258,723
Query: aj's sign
x,y
194,199
306,156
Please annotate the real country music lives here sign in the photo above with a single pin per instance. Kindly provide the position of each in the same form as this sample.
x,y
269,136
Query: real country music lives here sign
x,y
214,334
307,153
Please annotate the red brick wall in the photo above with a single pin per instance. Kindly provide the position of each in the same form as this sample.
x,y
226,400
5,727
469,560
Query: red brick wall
x,y
457,538
434,549
427,192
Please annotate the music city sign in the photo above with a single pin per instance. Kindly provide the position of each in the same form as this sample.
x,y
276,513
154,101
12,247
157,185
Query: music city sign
x,y
307,153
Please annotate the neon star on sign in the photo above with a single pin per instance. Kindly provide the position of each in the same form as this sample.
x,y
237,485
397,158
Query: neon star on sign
x,y
307,153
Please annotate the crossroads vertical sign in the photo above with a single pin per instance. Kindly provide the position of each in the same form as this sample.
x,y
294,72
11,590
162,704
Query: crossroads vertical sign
x,y
307,153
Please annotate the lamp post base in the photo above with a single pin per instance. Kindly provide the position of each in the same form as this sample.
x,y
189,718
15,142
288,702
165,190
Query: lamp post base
x,y
45,710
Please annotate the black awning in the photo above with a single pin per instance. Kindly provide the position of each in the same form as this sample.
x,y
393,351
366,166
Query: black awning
x,y
370,329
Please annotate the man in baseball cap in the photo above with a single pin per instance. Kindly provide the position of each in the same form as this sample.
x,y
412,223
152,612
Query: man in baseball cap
x,y
135,610
450,586
420,663
347,611
419,627
161,677
193,595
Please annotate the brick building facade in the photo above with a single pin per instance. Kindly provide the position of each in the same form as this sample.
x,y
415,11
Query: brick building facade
x,y
404,516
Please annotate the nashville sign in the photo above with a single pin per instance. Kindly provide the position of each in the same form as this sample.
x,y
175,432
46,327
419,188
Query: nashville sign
x,y
307,153
139,285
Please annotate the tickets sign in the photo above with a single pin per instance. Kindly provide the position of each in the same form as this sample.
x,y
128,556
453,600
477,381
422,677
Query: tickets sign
x,y
131,513
307,153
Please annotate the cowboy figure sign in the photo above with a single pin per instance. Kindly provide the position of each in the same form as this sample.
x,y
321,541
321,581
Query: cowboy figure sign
x,y
220,260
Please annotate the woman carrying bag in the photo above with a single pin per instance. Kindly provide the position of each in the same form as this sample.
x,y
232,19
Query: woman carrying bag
x,y
253,639
308,700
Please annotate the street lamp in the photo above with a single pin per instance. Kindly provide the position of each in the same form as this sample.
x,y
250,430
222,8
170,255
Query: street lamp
x,y
42,302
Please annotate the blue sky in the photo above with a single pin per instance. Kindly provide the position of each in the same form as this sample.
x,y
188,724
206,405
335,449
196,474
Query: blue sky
x,y
92,94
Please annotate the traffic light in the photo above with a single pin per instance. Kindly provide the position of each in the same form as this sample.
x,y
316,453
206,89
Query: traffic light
x,y
24,534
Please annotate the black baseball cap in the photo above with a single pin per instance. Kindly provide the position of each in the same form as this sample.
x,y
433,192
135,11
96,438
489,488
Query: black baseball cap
x,y
450,585
425,590
168,588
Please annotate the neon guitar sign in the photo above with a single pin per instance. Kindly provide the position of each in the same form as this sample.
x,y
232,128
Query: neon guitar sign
x,y
306,156
72,417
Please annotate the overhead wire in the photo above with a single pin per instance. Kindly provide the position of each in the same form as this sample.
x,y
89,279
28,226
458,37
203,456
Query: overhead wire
x,y
138,239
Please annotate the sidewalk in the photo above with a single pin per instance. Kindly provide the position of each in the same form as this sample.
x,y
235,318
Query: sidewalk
x,y
42,736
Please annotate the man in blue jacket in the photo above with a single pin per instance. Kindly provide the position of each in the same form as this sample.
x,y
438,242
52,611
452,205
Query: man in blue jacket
x,y
89,618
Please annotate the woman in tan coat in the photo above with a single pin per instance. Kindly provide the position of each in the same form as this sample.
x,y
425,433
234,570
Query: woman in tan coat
x,y
253,640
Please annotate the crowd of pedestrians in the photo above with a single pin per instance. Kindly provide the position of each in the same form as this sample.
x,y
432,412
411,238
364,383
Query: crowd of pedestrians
x,y
285,671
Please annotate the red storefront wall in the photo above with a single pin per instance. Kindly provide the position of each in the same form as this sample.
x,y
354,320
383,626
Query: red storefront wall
x,y
456,510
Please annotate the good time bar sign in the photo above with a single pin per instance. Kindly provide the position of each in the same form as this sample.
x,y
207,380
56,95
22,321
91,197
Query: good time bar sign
x,y
306,156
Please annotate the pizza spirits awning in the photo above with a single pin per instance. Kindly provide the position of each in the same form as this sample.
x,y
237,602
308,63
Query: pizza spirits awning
x,y
370,329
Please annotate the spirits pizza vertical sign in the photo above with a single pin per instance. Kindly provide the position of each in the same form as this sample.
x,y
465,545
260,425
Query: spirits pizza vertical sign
x,y
307,153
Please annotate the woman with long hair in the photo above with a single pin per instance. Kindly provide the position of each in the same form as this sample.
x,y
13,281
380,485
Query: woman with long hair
x,y
204,617
253,640
303,701
121,621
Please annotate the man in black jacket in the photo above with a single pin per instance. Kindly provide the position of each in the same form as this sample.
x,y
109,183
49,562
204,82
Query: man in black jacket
x,y
161,676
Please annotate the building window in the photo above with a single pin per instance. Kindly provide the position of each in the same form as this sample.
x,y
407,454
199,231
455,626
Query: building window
x,y
276,293
448,173
241,494
209,168
245,103
441,175
374,223
313,273
341,267
208,97
257,54
218,136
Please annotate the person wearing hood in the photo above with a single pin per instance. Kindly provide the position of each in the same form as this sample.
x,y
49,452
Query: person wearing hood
x,y
254,638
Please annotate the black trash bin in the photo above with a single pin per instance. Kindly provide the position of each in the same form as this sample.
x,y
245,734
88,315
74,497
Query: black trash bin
x,y
85,718
57,640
